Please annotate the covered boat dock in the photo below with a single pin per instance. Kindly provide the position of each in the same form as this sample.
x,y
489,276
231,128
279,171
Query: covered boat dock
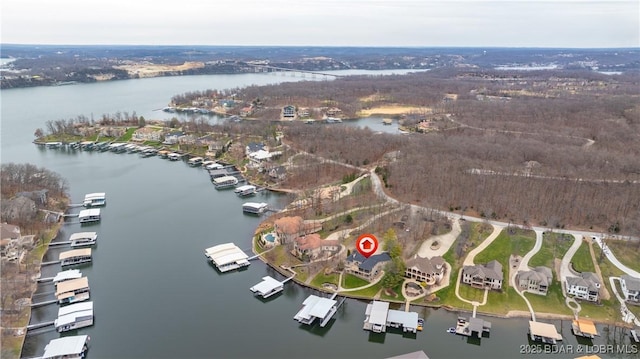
x,y
315,307
544,332
67,347
269,286
227,257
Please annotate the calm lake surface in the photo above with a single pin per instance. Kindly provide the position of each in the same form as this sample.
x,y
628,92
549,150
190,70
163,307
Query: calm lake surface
x,y
155,294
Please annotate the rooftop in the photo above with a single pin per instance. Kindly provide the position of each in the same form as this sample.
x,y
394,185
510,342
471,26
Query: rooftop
x,y
65,346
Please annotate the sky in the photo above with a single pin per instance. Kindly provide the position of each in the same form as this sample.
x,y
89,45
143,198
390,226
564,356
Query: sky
x,y
424,23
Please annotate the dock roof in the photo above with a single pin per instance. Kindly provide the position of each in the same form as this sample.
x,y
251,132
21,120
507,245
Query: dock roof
x,y
413,355
586,326
315,306
80,235
95,195
72,317
71,285
545,330
378,312
407,319
267,285
65,346
78,307
224,254
67,274
75,253
89,212
243,188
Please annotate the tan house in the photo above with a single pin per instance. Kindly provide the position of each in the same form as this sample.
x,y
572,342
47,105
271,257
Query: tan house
x,y
290,228
535,281
147,134
311,247
483,275
429,270
366,268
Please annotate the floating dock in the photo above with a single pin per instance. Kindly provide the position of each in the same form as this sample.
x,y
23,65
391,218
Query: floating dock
x,y
470,326
67,347
544,332
584,328
227,257
315,307
269,286
378,317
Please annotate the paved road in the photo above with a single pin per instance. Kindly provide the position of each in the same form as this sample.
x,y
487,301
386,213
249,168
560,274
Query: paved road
x,y
445,240
565,271
524,266
615,260
468,261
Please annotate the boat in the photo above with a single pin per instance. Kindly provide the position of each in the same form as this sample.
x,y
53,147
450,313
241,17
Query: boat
x,y
72,347
74,316
195,161
213,165
174,156
82,239
387,121
420,324
73,291
254,207
75,256
225,182
89,215
95,199
53,144
163,153
451,330
333,120
148,152
246,190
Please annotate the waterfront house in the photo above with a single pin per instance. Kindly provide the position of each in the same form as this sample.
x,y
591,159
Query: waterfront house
x,y
288,113
366,268
18,207
9,231
586,286
630,288
278,173
109,131
290,228
311,247
483,275
428,270
39,197
147,134
172,138
254,147
535,281
258,157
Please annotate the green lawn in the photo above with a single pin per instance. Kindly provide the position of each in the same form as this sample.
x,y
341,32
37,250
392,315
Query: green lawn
x,y
554,245
127,135
367,292
351,281
502,247
553,302
628,253
399,297
321,278
582,261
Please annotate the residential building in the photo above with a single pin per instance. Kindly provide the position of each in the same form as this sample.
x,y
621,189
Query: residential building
x,y
311,247
428,270
9,231
483,275
290,228
586,286
288,113
535,281
172,138
366,268
253,147
39,197
630,288
278,173
147,134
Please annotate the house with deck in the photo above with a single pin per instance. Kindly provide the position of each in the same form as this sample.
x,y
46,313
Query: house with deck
x,y
586,286
483,276
630,288
428,270
147,134
288,113
366,268
289,228
311,247
535,281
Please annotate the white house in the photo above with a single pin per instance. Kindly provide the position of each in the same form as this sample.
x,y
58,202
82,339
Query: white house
x,y
630,287
586,286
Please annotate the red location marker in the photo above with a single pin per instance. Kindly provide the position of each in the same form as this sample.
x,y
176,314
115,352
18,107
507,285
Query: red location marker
x,y
367,244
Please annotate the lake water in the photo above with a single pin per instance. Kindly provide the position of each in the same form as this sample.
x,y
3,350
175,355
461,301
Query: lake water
x,y
154,292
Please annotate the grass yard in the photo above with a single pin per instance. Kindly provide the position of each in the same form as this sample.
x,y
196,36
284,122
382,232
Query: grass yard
x,y
582,261
554,245
505,245
351,281
321,278
627,252
553,302
398,297
367,292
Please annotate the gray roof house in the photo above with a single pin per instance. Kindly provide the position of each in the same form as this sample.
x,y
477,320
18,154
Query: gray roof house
x,y
586,286
631,288
483,276
535,281
422,269
366,268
